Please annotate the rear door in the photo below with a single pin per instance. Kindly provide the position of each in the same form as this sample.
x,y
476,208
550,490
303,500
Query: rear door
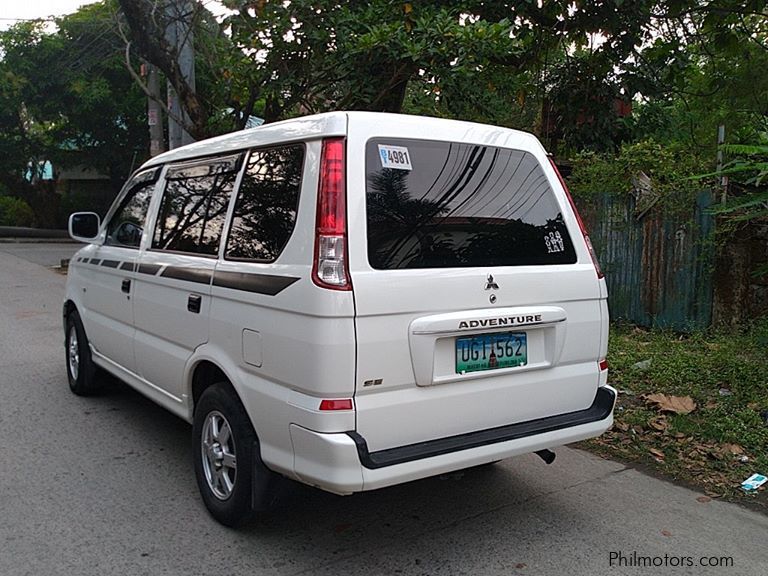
x,y
477,303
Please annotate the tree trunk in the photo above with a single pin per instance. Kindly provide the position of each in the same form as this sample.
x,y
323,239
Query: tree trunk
x,y
395,82
148,22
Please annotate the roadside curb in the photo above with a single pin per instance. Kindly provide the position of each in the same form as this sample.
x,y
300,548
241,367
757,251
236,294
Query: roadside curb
x,y
19,234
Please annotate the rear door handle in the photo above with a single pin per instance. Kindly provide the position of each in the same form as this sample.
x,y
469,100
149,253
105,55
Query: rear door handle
x,y
193,303
126,286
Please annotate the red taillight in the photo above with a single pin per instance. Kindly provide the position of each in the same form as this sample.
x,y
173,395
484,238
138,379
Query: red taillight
x,y
603,365
331,217
587,241
343,404
329,269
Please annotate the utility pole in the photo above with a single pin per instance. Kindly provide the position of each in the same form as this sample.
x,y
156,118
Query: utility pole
x,y
179,34
154,112
723,178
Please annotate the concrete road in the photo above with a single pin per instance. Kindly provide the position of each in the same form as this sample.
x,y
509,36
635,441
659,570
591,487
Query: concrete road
x,y
43,253
104,486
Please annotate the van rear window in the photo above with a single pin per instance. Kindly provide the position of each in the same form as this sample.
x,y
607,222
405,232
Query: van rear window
x,y
435,204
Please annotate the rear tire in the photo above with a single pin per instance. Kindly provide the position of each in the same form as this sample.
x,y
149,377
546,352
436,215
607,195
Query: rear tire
x,y
81,372
234,483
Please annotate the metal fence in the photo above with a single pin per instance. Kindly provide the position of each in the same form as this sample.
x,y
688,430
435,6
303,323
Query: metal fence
x,y
658,267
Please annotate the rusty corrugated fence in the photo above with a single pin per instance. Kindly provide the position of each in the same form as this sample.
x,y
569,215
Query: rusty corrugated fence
x,y
658,267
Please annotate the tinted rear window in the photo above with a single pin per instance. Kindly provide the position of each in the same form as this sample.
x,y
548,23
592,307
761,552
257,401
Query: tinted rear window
x,y
440,204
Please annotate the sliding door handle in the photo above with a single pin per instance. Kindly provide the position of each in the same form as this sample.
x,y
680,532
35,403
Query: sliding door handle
x,y
193,303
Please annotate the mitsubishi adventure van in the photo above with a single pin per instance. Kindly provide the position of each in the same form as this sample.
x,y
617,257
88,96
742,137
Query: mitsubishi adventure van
x,y
351,300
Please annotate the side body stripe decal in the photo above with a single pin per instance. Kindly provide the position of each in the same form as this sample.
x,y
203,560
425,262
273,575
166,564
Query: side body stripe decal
x,y
259,283
267,284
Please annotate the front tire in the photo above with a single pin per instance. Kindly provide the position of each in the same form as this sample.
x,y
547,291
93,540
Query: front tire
x,y
234,483
81,372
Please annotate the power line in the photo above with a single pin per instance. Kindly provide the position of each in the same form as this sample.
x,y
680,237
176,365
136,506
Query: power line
x,y
41,19
84,51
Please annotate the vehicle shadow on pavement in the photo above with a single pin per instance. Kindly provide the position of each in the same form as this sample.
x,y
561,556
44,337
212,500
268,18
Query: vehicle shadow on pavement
x,y
314,531
421,524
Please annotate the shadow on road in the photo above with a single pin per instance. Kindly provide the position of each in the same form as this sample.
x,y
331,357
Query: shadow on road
x,y
322,530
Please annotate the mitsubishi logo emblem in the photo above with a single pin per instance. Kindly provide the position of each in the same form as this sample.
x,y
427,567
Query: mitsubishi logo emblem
x,y
490,284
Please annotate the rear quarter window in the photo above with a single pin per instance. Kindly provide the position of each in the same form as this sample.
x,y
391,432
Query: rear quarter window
x,y
265,210
436,204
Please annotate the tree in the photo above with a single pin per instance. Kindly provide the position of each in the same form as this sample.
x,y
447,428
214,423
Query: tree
x,y
703,71
442,57
584,95
282,58
66,98
490,61
149,22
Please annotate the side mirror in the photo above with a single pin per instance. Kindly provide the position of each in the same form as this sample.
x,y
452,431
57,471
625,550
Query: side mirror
x,y
128,234
84,226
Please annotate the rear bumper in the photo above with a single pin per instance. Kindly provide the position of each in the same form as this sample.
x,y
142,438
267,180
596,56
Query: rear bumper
x,y
341,463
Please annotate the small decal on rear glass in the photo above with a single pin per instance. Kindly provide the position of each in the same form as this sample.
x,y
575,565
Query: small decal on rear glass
x,y
396,157
554,242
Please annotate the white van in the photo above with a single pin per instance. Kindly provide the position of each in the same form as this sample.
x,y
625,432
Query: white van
x,y
351,300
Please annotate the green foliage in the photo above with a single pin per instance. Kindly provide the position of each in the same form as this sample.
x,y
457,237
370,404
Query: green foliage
x,y
749,172
668,167
693,82
315,56
66,97
84,199
490,96
495,62
582,93
750,165
471,59
15,212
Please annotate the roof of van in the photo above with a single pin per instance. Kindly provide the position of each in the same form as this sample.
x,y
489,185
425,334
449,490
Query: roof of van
x,y
318,126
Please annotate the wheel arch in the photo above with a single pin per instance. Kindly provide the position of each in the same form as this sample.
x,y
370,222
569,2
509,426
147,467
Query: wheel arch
x,y
267,407
67,309
203,374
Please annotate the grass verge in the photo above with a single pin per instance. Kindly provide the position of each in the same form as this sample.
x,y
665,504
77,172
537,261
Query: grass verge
x,y
724,439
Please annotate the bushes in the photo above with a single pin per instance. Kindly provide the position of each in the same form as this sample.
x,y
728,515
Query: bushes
x,y
15,212
668,171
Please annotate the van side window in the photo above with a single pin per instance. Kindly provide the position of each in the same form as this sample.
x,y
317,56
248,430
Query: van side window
x,y
265,211
194,205
127,223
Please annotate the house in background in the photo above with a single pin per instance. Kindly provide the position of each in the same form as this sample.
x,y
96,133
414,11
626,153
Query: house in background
x,y
79,187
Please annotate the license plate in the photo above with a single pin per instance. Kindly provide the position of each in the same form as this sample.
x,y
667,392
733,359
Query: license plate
x,y
491,351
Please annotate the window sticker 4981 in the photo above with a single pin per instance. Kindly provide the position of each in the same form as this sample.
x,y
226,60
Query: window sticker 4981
x,y
396,157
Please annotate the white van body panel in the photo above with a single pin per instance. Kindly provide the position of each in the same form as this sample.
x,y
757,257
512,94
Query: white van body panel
x,y
331,461
106,309
421,398
295,130
387,345
292,349
167,333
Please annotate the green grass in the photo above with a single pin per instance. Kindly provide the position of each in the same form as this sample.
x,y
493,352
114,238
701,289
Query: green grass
x,y
696,447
